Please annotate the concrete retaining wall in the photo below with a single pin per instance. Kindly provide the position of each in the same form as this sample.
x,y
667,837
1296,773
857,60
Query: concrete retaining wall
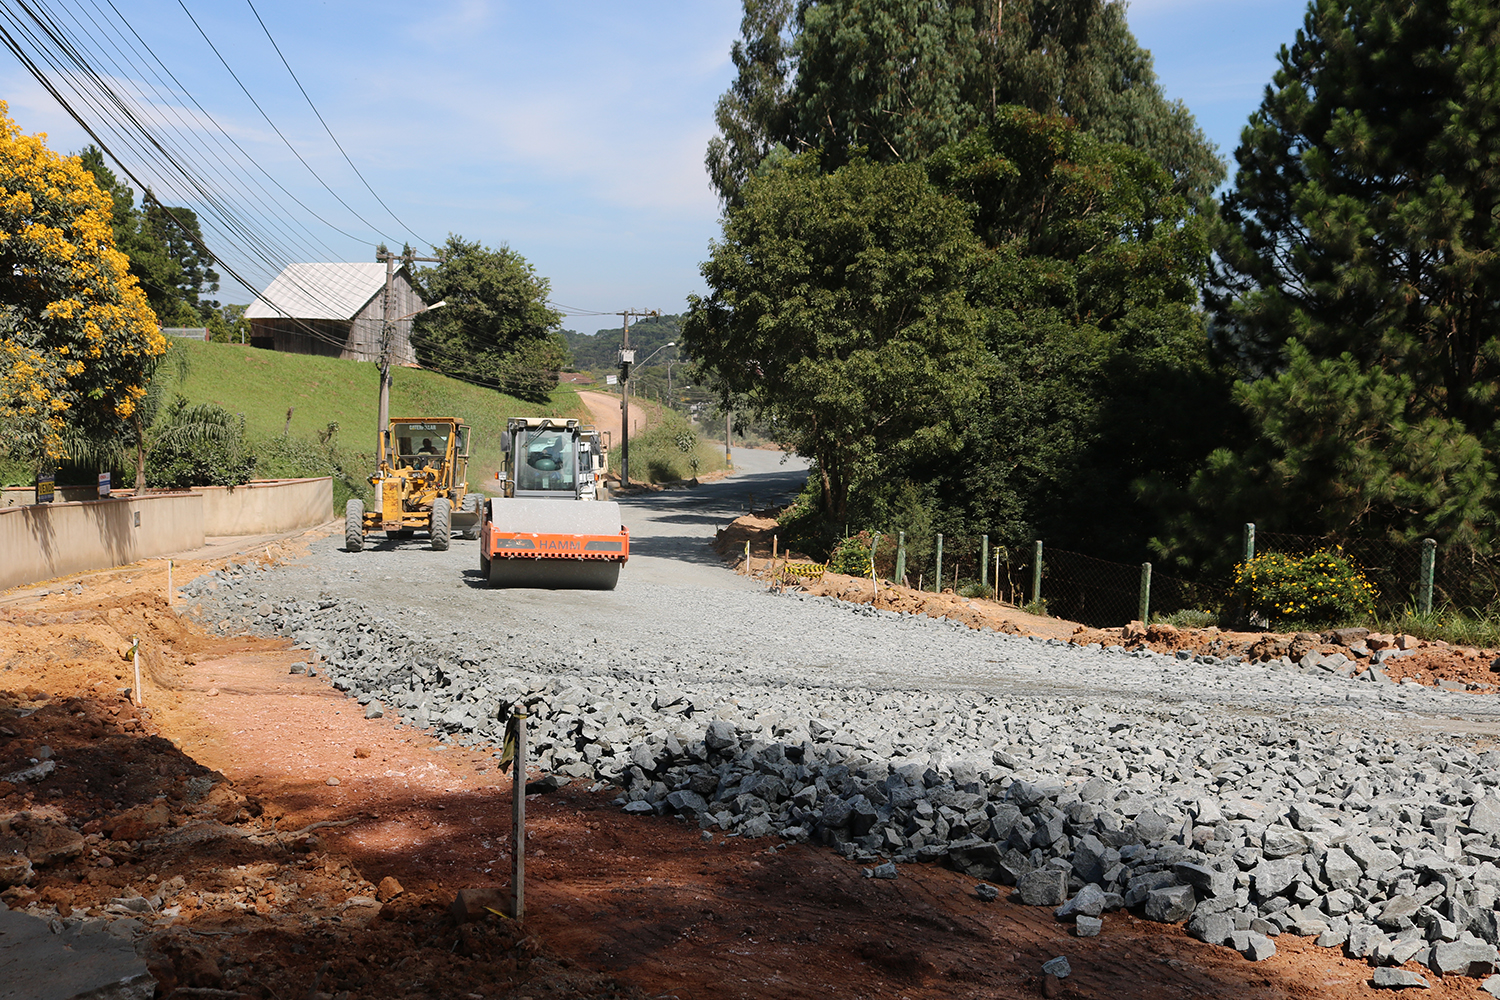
x,y
20,496
42,541
264,507
48,540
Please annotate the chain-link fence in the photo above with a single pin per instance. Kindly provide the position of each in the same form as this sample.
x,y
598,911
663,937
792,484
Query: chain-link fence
x,y
1101,593
1462,578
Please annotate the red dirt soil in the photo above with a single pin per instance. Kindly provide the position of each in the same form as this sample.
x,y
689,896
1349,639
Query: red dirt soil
x,y
218,798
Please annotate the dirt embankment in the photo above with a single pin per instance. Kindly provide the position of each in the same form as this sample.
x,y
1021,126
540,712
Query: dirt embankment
x,y
1399,657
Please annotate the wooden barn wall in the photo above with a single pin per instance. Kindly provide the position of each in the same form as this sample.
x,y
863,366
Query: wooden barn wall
x,y
367,322
327,337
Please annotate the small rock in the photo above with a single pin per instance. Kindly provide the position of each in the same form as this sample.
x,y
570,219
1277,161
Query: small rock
x,y
1491,986
986,892
1170,905
298,668
1058,967
1043,887
1397,979
374,711
333,781
1255,947
361,753
887,870
1089,926
388,889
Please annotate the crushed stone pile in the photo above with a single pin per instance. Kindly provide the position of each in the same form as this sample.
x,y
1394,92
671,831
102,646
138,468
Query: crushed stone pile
x,y
1286,798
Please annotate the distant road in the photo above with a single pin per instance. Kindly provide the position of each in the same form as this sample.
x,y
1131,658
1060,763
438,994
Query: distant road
x,y
606,412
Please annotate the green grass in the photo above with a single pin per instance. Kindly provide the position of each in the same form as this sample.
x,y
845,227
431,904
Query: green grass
x,y
320,391
1188,618
657,455
1457,628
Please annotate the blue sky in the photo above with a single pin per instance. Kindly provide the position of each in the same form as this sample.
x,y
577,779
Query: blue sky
x,y
574,132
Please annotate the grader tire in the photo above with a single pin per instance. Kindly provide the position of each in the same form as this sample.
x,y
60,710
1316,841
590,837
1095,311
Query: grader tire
x,y
471,506
354,525
442,518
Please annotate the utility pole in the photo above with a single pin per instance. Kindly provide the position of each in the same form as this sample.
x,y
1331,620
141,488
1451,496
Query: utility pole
x,y
387,334
627,358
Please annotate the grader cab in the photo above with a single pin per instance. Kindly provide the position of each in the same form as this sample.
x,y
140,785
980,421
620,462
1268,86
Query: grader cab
x,y
419,485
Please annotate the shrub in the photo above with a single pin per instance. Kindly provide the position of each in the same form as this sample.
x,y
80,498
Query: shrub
x,y
803,526
852,556
669,450
1322,588
1188,618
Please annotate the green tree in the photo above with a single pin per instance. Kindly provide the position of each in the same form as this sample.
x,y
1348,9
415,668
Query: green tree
x,y
1099,373
227,324
1359,268
496,327
165,247
894,80
839,306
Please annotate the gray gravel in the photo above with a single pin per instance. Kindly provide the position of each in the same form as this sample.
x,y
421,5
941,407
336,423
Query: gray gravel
x,y
1247,800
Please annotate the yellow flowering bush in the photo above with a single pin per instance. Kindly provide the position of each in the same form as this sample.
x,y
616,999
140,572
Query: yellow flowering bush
x,y
1323,588
77,339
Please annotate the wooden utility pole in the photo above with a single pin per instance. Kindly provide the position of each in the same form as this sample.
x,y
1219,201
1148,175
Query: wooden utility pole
x,y
387,333
627,358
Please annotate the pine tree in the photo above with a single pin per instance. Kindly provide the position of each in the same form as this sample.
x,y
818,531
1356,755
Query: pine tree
x,y
1360,271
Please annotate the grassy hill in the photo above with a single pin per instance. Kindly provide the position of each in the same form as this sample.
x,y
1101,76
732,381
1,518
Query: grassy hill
x,y
264,385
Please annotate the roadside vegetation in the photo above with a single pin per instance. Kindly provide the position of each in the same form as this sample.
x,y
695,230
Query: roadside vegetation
x,y
669,450
1001,297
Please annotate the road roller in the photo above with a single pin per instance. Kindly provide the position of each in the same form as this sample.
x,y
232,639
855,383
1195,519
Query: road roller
x,y
552,526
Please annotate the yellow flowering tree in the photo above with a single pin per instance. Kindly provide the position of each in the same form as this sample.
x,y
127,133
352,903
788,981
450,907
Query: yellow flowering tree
x,y
78,341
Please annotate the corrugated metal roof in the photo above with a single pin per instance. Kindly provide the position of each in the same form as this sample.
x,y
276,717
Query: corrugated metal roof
x,y
319,291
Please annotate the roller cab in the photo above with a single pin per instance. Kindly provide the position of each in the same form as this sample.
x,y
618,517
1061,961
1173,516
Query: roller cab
x,y
551,526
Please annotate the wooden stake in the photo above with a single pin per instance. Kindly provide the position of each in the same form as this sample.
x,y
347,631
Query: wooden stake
x,y
135,655
169,583
518,820
747,558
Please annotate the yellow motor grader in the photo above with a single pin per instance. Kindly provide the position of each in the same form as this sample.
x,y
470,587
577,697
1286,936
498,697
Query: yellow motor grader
x,y
419,485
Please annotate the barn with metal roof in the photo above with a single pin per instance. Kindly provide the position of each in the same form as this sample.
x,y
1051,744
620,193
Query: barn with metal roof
x,y
334,309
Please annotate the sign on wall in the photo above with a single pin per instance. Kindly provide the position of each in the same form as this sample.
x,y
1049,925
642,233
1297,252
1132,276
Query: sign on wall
x,y
44,487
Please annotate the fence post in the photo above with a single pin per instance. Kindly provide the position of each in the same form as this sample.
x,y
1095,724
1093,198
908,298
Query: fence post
x,y
1145,608
939,574
874,573
1429,566
901,557
984,561
1249,546
518,819
1036,573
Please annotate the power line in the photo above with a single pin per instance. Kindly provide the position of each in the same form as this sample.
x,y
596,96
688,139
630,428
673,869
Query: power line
x,y
269,122
319,114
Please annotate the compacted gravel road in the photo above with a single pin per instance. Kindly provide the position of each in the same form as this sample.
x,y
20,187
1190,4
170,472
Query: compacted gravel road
x,y
1250,800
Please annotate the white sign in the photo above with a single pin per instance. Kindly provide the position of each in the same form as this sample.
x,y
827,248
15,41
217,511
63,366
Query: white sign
x,y
104,484
611,380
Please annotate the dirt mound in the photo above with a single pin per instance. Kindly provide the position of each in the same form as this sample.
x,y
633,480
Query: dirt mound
x,y
1431,663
